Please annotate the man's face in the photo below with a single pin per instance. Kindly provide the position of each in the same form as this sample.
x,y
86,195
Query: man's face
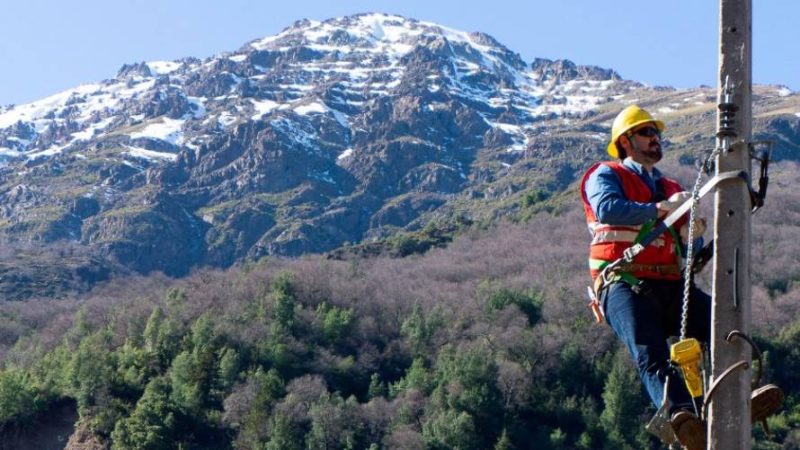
x,y
644,144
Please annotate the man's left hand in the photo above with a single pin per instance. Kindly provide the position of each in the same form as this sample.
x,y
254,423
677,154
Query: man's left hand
x,y
699,229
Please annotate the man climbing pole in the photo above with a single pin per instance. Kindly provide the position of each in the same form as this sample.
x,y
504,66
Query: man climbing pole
x,y
642,299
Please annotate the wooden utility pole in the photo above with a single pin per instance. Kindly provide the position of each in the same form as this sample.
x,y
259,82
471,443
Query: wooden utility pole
x,y
729,414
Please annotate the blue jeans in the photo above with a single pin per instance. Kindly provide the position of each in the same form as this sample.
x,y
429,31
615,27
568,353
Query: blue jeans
x,y
644,321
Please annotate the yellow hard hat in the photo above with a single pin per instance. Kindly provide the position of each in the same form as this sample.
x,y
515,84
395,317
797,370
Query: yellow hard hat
x,y
627,119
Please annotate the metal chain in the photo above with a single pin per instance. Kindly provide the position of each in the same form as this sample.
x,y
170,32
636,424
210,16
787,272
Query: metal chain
x,y
687,271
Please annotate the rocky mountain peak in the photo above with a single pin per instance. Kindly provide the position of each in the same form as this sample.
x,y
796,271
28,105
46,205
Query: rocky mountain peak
x,y
563,70
141,70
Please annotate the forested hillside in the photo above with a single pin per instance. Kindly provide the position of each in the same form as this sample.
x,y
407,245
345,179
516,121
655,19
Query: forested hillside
x,y
484,344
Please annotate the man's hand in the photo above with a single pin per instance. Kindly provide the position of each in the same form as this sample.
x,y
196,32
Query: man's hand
x,y
699,229
670,204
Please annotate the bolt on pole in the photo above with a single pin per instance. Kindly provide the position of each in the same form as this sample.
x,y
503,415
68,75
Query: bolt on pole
x,y
729,413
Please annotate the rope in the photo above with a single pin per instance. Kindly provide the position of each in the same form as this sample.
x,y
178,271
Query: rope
x,y
687,271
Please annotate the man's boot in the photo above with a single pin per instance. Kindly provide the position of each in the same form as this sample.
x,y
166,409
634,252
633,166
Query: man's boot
x,y
689,429
764,402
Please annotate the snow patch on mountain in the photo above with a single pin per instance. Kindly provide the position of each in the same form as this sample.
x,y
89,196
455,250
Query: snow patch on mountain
x,y
150,155
310,108
165,129
50,151
348,152
33,112
93,129
305,139
9,153
226,119
262,107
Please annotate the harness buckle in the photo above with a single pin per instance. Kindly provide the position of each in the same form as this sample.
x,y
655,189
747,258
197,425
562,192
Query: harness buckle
x,y
632,251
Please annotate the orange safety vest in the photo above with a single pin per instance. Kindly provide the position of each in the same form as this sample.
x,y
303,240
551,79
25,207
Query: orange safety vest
x,y
659,260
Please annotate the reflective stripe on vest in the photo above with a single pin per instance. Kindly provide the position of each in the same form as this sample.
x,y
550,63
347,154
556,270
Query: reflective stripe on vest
x,y
618,235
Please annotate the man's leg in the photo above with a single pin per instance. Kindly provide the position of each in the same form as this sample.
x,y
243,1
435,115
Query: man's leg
x,y
636,320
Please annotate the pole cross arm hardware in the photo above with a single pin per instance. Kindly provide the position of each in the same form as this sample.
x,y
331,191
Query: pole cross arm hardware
x,y
764,157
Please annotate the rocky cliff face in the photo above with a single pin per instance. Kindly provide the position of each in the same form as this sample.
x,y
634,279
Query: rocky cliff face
x,y
328,132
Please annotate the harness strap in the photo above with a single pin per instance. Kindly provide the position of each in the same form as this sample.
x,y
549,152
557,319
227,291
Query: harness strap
x,y
618,275
623,268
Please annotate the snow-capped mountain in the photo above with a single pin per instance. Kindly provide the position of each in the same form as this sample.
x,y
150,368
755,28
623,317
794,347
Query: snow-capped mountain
x,y
332,68
328,132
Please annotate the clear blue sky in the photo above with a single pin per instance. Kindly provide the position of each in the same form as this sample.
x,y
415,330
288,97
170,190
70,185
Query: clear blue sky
x,y
47,46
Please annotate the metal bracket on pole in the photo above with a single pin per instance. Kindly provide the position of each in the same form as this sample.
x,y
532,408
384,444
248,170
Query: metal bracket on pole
x,y
764,157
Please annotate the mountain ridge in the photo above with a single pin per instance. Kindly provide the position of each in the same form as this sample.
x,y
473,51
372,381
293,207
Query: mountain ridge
x,y
330,132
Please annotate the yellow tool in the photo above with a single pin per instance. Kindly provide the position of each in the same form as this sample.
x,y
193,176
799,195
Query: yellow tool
x,y
686,353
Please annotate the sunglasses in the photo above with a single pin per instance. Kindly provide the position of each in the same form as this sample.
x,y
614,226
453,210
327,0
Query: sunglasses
x,y
647,132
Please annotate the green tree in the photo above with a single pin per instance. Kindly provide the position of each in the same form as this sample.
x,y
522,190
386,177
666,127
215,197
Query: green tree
x,y
419,329
162,338
50,372
451,429
257,425
467,378
17,397
786,356
228,367
194,373
91,371
175,299
335,424
623,406
134,366
152,425
283,434
152,328
336,322
416,377
284,302
79,330
186,378
504,442
466,391
377,388
558,439
497,298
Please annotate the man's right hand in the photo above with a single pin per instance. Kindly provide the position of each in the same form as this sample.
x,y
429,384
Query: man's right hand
x,y
675,200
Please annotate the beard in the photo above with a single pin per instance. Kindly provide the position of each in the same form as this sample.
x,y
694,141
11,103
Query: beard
x,y
653,153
